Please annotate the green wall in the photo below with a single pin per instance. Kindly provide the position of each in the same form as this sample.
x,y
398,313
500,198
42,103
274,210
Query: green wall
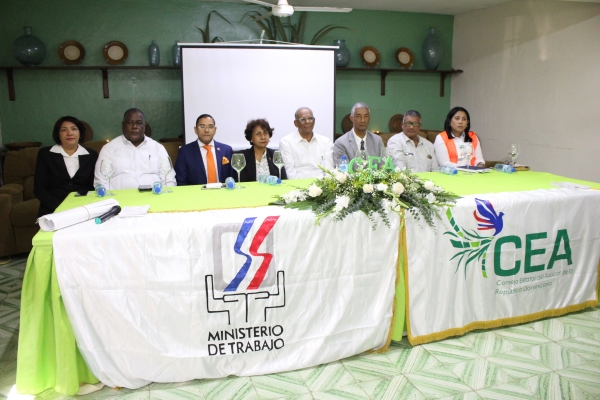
x,y
43,96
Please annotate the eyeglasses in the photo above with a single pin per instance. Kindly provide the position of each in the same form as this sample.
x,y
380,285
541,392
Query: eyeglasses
x,y
134,123
210,127
307,119
412,124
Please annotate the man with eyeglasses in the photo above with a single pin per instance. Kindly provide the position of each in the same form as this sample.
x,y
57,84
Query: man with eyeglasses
x,y
303,151
204,160
134,156
410,150
358,138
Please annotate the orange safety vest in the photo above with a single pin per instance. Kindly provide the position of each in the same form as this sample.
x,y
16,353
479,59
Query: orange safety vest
x,y
451,147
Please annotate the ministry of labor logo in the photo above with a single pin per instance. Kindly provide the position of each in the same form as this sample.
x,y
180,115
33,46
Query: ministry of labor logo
x,y
472,246
246,283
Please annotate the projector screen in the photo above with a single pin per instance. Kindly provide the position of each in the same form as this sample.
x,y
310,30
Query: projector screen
x,y
236,83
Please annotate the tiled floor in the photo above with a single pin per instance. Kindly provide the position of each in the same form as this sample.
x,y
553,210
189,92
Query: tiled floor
x,y
550,359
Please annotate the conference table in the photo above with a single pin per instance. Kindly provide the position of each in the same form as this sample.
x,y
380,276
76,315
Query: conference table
x,y
49,357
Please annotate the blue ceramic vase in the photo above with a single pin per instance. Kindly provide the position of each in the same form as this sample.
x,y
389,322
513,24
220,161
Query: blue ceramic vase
x,y
153,54
176,54
28,49
342,54
432,50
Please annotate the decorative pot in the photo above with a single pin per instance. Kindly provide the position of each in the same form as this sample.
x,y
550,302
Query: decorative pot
x,y
176,54
153,54
342,54
28,49
432,50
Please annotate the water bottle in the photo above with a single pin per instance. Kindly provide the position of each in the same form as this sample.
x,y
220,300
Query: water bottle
x,y
229,183
100,190
448,170
343,167
157,188
505,168
272,180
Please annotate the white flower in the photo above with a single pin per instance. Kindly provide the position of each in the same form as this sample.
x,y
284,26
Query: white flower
x,y
368,188
289,198
382,187
341,177
314,190
429,185
398,188
437,189
397,169
430,197
300,195
341,202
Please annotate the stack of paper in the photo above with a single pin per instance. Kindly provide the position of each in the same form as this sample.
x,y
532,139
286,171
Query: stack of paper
x,y
134,211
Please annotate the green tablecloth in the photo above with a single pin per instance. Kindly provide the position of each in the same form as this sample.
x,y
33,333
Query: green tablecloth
x,y
48,356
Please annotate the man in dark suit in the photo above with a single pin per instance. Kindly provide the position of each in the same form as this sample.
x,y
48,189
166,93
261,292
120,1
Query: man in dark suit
x,y
358,138
204,160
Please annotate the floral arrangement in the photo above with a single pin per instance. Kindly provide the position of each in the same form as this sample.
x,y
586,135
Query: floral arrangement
x,y
372,192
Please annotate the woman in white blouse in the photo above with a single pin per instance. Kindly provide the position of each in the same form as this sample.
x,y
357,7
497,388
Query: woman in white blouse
x,y
457,132
65,167
259,159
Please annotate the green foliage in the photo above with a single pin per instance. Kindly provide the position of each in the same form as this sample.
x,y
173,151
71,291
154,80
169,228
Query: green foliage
x,y
372,192
206,31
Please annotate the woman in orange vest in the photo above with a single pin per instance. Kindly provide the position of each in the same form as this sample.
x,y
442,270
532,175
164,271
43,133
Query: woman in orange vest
x,y
457,131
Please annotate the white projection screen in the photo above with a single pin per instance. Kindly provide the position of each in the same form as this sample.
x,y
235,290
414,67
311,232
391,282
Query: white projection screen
x,y
236,83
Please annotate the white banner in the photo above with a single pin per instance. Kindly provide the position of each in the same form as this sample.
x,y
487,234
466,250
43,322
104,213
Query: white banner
x,y
503,258
178,296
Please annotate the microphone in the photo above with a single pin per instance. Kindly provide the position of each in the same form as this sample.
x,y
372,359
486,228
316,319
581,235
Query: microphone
x,y
108,215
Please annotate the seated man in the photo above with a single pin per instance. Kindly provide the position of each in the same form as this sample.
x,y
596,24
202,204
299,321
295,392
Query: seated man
x,y
304,150
358,138
134,156
204,160
408,145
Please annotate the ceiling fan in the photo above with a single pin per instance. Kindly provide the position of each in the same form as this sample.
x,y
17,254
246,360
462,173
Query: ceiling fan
x,y
283,9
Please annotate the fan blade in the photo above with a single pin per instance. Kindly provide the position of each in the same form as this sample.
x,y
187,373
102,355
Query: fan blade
x,y
267,15
262,3
323,9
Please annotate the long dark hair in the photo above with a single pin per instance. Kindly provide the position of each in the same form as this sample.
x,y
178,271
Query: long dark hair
x,y
451,115
58,124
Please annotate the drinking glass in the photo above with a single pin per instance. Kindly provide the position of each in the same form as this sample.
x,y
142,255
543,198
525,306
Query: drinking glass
x,y
164,167
466,150
278,161
107,169
513,151
362,155
238,162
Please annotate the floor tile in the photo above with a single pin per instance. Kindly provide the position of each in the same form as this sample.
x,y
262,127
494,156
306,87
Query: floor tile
x,y
349,392
479,373
179,390
585,376
327,376
437,382
522,336
277,386
511,390
230,388
554,356
463,396
414,359
372,367
487,343
451,351
394,388
552,386
585,347
555,330
519,365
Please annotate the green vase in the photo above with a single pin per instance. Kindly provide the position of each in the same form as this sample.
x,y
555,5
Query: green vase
x,y
28,49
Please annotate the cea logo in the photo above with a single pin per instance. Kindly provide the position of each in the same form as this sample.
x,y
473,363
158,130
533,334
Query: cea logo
x,y
473,247
245,290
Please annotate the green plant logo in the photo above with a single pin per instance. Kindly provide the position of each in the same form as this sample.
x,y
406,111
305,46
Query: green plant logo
x,y
472,246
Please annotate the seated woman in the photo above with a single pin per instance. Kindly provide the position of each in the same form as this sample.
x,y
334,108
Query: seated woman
x,y
65,167
457,131
259,159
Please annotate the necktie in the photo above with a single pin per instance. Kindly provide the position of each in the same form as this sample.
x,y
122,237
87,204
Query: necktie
x,y
210,165
362,144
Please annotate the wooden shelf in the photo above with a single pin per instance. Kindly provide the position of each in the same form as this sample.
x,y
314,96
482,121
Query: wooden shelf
x,y
385,71
103,68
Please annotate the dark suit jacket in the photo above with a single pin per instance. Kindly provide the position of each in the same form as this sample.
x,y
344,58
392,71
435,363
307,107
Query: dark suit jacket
x,y
248,174
52,183
189,168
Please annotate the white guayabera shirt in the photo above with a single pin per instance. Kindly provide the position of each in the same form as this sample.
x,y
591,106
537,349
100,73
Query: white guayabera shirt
x,y
423,154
